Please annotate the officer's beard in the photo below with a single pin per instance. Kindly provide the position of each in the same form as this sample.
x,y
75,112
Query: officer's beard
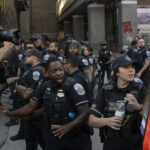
x,y
53,52
39,48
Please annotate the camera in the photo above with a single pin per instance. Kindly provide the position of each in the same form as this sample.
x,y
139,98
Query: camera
x,y
12,35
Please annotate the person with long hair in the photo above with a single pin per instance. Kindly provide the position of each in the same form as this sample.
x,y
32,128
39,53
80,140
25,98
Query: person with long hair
x,y
117,109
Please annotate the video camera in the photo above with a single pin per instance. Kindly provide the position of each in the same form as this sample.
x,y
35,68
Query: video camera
x,y
12,35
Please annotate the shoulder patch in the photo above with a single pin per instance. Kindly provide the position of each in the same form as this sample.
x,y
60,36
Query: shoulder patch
x,y
110,52
60,58
36,75
91,60
138,80
85,62
46,57
148,54
20,56
79,89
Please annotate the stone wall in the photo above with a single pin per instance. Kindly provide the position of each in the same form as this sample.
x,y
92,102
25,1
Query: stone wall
x,y
44,17
8,14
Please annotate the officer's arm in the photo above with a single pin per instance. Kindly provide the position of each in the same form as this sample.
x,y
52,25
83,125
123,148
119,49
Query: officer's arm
x,y
110,60
22,112
24,92
91,69
88,74
7,51
83,117
97,122
146,65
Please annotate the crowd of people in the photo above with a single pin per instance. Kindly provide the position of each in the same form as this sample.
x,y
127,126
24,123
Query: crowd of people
x,y
54,98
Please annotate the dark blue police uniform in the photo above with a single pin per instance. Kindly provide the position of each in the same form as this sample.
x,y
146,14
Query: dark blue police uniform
x,y
104,57
139,57
59,103
30,79
128,137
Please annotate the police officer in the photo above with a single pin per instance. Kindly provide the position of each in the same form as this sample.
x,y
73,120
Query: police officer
x,y
72,70
117,109
142,60
26,87
83,64
133,50
13,70
38,42
83,45
68,39
54,49
87,53
105,58
66,106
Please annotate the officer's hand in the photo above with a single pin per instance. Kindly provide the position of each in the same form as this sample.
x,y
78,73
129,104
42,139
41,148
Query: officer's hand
x,y
133,101
5,111
138,74
60,130
8,44
9,81
114,123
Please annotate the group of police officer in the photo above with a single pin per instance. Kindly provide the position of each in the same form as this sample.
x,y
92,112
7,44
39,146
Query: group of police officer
x,y
54,89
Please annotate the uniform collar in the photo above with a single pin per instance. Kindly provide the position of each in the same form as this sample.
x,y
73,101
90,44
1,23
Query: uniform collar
x,y
77,71
126,89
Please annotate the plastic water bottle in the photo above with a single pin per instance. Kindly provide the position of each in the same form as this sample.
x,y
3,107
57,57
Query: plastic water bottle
x,y
120,111
71,115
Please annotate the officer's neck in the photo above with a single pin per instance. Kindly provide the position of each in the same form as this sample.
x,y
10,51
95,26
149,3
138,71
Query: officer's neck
x,y
72,70
122,84
35,64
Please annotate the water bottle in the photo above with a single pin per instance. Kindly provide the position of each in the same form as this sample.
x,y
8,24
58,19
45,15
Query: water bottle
x,y
71,115
120,111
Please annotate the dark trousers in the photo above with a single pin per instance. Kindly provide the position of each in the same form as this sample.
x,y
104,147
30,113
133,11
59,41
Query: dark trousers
x,y
120,144
81,141
146,78
91,91
33,135
107,69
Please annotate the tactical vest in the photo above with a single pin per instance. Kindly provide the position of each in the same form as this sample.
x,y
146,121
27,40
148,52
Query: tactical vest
x,y
131,119
57,104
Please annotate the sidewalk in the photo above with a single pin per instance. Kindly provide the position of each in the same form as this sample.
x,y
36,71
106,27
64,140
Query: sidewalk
x,y
3,120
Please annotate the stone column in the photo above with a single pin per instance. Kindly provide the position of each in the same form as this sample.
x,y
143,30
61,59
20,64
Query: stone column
x,y
25,24
78,27
127,11
68,27
96,25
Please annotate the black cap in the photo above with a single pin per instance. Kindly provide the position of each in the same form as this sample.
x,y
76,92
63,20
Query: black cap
x,y
85,43
35,37
68,36
121,61
104,42
74,44
134,42
33,52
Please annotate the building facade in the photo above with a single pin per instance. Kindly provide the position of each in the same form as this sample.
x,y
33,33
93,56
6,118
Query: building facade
x,y
30,17
95,20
